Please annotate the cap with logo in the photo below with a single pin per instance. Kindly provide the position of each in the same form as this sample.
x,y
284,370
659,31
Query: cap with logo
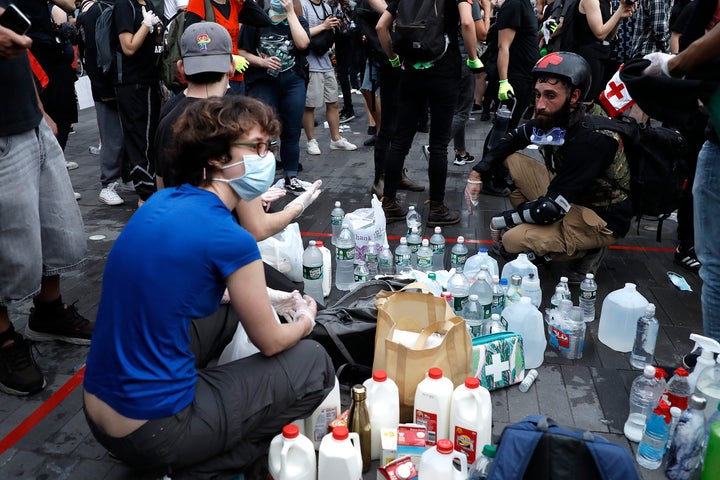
x,y
205,47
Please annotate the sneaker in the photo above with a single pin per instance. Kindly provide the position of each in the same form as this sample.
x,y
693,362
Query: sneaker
x,y
19,374
94,150
426,151
393,210
441,215
342,144
109,196
77,195
461,160
370,141
312,147
687,259
294,186
71,165
485,116
406,183
346,116
476,108
72,130
65,324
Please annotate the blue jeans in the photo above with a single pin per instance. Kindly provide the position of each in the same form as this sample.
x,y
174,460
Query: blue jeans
x,y
286,94
706,192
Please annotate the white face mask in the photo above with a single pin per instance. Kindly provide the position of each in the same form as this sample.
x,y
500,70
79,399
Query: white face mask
x,y
259,176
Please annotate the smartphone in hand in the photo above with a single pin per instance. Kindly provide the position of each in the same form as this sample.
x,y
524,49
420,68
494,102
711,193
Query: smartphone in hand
x,y
13,19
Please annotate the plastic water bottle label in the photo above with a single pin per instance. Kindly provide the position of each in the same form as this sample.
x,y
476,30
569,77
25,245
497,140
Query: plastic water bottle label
x,y
414,247
429,421
457,259
486,310
475,330
345,253
336,220
560,339
371,258
437,248
466,441
588,294
424,262
312,273
360,278
402,260
459,303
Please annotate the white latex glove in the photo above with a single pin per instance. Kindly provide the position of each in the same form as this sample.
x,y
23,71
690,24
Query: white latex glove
x,y
149,19
309,310
285,303
272,194
307,198
658,64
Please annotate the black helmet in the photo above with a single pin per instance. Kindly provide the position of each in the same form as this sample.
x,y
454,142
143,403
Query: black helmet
x,y
571,67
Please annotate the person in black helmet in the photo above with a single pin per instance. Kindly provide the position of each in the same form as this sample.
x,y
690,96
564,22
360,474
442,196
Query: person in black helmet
x,y
574,205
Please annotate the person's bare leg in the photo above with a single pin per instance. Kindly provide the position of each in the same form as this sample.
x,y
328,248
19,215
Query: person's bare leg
x,y
332,113
373,117
308,122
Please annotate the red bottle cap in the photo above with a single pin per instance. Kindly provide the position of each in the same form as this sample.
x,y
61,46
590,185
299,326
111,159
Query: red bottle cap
x,y
472,382
681,372
663,408
435,373
290,431
444,446
340,433
319,243
379,375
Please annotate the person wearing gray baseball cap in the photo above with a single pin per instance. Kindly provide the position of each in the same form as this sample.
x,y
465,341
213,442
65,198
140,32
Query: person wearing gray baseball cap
x,y
206,47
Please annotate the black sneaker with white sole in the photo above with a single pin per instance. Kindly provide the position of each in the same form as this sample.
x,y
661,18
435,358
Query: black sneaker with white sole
x,y
346,116
687,259
63,323
294,186
19,374
461,160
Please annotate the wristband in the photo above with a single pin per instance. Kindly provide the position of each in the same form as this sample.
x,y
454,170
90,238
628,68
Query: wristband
x,y
475,182
395,62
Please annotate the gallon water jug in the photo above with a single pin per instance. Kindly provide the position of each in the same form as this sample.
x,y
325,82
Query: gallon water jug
x,y
340,456
618,318
520,266
473,264
527,321
383,402
327,267
470,418
292,456
436,463
316,425
432,405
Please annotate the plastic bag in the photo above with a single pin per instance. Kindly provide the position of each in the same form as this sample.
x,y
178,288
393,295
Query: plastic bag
x,y
368,224
240,346
284,251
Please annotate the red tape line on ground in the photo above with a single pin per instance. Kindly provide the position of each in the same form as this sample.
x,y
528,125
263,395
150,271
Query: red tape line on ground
x,y
42,411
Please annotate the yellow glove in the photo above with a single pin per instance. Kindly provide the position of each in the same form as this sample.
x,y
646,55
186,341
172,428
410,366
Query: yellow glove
x,y
505,90
476,65
241,63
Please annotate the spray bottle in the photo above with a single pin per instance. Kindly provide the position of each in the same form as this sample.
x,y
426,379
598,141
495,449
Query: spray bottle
x,y
706,358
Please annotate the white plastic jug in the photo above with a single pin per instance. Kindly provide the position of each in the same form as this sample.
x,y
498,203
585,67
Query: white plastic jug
x,y
383,402
316,425
471,418
436,463
292,456
618,317
527,321
327,267
340,456
432,405
473,264
520,266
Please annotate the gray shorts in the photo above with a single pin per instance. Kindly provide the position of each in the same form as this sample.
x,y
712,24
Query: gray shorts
x,y
322,88
42,229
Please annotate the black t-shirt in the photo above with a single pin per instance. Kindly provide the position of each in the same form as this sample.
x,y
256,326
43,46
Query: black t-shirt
x,y
46,47
449,64
20,106
142,67
164,134
251,38
101,84
585,36
524,49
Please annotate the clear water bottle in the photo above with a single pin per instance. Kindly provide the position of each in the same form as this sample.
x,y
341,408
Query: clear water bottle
x,y
437,244
687,448
313,272
434,285
361,272
531,288
473,315
574,328
563,283
645,338
514,292
386,262
413,219
480,469
344,259
458,254
424,256
482,287
371,259
402,257
498,296
494,324
336,221
655,436
552,311
588,293
414,240
459,286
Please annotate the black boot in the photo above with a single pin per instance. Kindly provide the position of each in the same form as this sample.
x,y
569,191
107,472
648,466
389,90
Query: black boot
x,y
441,215
378,186
394,212
406,183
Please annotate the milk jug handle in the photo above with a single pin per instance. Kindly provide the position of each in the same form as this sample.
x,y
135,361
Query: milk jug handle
x,y
355,440
441,327
283,456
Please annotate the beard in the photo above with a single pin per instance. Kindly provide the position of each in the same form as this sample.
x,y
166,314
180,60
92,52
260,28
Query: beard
x,y
559,118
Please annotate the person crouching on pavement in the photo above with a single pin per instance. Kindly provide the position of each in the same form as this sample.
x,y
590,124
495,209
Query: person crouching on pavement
x,y
574,204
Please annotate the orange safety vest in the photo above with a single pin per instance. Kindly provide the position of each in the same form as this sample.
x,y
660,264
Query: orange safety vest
x,y
231,24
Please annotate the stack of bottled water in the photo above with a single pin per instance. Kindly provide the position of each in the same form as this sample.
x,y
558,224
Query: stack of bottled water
x,y
437,244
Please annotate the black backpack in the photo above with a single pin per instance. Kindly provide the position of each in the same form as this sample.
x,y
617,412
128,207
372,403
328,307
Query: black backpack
x,y
106,39
656,158
420,30
367,19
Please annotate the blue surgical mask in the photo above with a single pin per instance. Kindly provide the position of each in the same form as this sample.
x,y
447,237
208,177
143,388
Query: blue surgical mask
x,y
259,176
556,136
276,5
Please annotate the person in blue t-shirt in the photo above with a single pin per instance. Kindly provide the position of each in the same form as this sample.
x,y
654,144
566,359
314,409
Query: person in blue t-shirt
x,y
150,397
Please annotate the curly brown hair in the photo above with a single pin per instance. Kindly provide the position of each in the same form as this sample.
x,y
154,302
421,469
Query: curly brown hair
x,y
205,130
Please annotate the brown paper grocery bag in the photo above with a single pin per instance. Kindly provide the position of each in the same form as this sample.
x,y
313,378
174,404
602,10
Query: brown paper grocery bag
x,y
424,314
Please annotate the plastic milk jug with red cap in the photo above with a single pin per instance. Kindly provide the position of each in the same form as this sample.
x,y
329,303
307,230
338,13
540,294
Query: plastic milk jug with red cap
x,y
432,405
340,456
437,463
383,402
292,456
471,418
